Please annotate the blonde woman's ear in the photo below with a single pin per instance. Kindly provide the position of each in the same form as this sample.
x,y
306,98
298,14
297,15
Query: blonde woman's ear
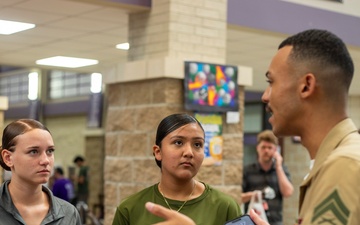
x,y
6,157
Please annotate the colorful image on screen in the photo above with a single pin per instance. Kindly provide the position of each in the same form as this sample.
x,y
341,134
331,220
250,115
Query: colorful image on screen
x,y
210,87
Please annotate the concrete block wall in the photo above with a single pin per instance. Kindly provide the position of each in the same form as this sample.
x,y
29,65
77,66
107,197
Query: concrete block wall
x,y
134,111
94,155
297,160
67,133
185,29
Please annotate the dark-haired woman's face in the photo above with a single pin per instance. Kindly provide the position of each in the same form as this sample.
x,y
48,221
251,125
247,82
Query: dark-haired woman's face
x,y
182,151
33,158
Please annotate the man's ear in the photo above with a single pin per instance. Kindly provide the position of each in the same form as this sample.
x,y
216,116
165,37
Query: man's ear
x,y
307,85
157,152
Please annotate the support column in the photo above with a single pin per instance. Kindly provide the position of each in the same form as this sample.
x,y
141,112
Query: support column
x,y
150,86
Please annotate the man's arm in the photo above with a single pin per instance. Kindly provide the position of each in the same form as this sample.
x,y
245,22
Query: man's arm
x,y
246,196
286,188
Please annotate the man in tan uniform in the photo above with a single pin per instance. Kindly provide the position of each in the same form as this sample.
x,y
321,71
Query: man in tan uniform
x,y
309,79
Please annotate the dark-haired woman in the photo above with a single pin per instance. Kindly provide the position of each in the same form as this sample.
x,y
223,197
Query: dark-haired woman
x,y
179,152
28,152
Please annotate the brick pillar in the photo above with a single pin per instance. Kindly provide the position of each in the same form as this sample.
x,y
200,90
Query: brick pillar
x,y
185,29
94,156
3,106
150,86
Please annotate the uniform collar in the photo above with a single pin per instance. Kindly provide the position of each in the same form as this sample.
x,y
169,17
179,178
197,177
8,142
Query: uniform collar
x,y
330,142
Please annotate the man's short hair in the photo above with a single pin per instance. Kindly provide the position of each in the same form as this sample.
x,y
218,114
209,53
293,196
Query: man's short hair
x,y
79,159
59,170
267,135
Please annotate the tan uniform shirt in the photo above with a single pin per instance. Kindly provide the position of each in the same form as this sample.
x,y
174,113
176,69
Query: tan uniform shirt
x,y
331,192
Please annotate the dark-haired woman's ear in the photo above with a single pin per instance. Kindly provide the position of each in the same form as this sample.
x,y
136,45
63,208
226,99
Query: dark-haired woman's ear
x,y
157,152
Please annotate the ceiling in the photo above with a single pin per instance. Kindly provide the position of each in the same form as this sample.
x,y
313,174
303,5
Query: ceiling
x,y
78,29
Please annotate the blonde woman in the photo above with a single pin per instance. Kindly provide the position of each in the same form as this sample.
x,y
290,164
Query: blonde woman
x,y
28,152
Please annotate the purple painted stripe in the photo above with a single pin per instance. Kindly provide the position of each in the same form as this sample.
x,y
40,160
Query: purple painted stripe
x,y
290,18
143,3
66,108
16,112
50,109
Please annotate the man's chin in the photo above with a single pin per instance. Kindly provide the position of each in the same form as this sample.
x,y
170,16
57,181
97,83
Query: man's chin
x,y
269,160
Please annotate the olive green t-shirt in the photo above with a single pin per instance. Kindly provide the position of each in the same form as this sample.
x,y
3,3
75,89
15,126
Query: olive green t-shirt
x,y
211,208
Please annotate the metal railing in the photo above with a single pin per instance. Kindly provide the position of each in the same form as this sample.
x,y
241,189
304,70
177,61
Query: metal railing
x,y
87,217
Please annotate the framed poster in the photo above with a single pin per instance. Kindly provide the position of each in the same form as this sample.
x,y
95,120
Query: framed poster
x,y
212,124
211,87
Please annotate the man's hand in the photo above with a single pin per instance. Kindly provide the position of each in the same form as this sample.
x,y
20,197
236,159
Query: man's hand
x,y
278,159
171,217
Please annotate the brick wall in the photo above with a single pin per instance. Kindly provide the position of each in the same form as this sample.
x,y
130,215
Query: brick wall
x,y
184,29
297,160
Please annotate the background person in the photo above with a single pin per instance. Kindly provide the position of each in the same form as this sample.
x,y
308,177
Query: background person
x,y
268,175
62,188
28,152
179,152
82,180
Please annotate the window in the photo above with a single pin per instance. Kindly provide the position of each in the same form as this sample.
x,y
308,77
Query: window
x,y
65,84
15,87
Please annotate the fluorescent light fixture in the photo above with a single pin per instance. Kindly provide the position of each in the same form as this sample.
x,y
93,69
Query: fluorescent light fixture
x,y
96,82
33,85
10,27
64,61
123,46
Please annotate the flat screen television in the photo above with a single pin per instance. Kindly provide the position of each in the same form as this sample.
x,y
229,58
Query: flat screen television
x,y
211,87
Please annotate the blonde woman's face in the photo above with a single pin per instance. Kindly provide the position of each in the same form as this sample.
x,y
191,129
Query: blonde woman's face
x,y
182,152
33,158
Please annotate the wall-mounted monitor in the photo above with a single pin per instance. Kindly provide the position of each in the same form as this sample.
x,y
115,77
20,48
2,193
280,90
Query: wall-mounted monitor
x,y
211,87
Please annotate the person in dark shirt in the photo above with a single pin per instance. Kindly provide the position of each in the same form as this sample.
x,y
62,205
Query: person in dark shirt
x,y
269,176
82,180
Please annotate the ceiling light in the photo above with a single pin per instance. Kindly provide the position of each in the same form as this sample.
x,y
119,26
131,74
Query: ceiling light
x,y
123,46
96,82
33,85
10,27
63,61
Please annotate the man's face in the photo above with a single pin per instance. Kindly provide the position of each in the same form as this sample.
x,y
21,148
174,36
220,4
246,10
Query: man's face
x,y
79,163
265,151
281,94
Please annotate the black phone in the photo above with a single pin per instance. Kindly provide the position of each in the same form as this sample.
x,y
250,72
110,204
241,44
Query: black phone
x,y
242,220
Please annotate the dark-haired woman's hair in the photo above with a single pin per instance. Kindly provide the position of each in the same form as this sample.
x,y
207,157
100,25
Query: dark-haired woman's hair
x,y
15,129
171,123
